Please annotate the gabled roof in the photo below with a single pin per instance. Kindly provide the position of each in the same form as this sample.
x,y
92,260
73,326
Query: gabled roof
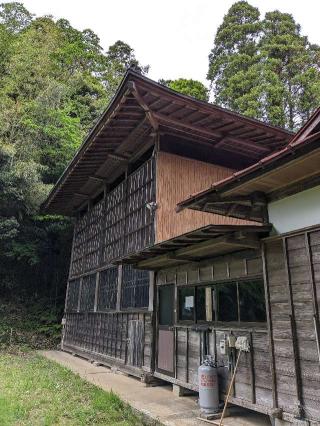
x,y
298,160
139,111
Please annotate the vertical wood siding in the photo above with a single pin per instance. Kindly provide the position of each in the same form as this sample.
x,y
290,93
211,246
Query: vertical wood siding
x,y
253,383
294,283
177,178
111,336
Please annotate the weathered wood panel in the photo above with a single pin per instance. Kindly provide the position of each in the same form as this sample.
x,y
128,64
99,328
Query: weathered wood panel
x,y
218,269
253,386
177,178
119,336
291,264
135,343
253,380
139,218
119,224
79,246
113,224
93,237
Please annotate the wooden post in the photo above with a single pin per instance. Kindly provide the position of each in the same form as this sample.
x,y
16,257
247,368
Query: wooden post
x,y
79,295
293,331
314,295
95,307
151,290
155,322
270,329
72,250
118,305
252,372
187,357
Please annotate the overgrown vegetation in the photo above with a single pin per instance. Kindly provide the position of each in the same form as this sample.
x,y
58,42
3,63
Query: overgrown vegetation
x,y
35,391
29,324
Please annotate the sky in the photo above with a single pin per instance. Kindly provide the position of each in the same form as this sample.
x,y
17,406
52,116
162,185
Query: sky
x,y
174,37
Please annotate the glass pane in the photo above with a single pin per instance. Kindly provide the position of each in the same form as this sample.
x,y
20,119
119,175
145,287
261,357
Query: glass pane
x,y
135,288
252,301
205,304
166,297
108,289
201,304
227,302
87,295
186,304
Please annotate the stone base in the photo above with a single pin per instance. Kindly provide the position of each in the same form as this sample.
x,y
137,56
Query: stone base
x,y
150,381
295,422
180,391
214,416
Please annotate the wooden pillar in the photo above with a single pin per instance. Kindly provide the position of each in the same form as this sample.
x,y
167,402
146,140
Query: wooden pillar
x,y
252,370
96,292
72,250
151,290
314,295
270,329
79,295
293,331
118,305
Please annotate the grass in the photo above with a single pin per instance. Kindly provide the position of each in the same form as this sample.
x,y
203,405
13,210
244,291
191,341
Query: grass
x,y
35,391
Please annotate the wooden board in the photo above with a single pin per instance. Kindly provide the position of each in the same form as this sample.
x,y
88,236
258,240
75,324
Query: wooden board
x,y
177,178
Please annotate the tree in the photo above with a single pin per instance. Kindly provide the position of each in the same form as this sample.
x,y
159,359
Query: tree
x,y
189,87
234,61
291,71
265,68
14,16
119,58
54,83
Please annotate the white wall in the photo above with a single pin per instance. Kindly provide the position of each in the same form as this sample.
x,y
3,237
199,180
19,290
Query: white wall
x,y
295,212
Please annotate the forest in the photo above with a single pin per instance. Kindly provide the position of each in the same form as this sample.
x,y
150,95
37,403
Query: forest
x,y
55,81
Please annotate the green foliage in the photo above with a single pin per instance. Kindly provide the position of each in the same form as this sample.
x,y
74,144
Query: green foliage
x,y
14,16
189,87
29,325
54,83
265,68
36,391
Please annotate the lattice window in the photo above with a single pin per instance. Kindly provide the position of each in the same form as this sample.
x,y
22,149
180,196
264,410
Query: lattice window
x,y
135,288
73,295
120,224
79,245
93,237
87,295
113,228
108,286
139,223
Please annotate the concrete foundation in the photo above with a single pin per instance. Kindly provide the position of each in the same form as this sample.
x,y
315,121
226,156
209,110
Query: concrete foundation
x,y
158,405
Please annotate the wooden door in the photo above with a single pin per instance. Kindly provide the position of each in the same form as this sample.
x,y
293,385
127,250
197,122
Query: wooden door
x,y
165,335
135,343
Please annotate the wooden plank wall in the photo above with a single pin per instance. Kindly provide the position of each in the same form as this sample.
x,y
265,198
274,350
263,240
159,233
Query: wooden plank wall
x,y
253,384
293,276
120,223
177,178
253,380
105,336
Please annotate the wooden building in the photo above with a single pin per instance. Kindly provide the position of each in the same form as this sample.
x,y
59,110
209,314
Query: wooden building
x,y
282,372
153,291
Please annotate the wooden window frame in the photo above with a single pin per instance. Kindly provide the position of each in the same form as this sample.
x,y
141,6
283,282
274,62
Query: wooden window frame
x,y
236,324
